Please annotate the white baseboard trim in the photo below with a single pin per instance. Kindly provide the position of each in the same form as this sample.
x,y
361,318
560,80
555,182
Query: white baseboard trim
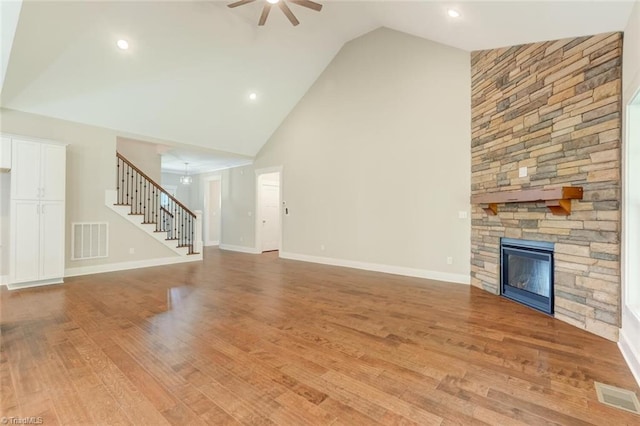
x,y
136,264
212,243
377,267
241,249
38,283
626,346
4,279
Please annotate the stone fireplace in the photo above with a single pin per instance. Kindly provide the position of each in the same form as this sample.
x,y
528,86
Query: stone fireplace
x,y
547,115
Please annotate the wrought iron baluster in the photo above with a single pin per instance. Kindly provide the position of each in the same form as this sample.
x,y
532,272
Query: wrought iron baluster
x,y
147,198
117,180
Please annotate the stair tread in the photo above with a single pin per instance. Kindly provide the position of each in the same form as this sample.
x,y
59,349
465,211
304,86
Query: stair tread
x,y
151,217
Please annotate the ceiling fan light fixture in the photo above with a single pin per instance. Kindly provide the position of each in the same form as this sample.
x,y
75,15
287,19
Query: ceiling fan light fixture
x,y
282,4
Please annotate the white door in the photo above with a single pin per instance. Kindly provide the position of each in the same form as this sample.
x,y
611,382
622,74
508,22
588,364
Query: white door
x,y
25,240
213,224
5,152
25,176
51,239
270,215
53,171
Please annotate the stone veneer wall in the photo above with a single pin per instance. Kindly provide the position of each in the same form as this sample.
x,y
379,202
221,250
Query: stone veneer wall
x,y
554,107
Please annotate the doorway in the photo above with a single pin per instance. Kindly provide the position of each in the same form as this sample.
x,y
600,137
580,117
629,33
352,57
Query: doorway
x,y
268,223
212,211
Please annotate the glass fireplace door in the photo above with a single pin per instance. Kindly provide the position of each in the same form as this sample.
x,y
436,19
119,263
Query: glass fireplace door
x,y
527,273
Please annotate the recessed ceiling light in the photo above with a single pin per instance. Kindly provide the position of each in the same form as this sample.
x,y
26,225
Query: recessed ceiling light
x,y
122,44
253,96
453,13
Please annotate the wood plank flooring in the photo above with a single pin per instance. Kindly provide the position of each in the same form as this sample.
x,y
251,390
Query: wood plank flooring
x,y
253,339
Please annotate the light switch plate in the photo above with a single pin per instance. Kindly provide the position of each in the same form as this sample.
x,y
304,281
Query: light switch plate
x,y
523,172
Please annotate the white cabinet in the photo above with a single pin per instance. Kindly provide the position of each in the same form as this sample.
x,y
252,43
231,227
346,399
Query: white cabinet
x,y
5,153
51,239
37,217
25,244
38,171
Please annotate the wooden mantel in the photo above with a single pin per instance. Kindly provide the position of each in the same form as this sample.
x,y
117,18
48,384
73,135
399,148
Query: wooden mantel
x,y
558,200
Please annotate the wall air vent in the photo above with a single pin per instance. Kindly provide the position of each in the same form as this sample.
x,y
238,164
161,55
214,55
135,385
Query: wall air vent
x,y
616,397
89,240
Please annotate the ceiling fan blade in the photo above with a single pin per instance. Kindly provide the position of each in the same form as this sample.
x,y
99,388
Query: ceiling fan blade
x,y
240,3
308,3
288,12
265,13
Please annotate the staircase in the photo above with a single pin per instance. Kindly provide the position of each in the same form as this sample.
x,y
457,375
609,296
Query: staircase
x,y
143,202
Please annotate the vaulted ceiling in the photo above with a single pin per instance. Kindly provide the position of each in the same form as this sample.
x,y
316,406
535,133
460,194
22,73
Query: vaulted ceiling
x,y
191,65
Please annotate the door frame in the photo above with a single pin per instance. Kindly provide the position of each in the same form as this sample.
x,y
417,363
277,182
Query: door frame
x,y
630,292
258,222
207,221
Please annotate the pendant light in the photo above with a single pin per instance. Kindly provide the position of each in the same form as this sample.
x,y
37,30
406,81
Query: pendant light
x,y
186,179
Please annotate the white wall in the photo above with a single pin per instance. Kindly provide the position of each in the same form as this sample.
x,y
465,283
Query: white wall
x,y
238,208
143,155
630,331
376,159
212,216
91,169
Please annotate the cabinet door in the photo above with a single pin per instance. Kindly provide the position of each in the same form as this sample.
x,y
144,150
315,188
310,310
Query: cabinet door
x,y
53,161
25,240
5,153
25,173
52,240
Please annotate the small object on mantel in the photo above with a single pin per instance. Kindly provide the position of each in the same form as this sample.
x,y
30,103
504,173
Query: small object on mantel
x,y
558,200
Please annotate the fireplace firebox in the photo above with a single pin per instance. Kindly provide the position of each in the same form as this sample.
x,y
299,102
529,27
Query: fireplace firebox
x,y
527,273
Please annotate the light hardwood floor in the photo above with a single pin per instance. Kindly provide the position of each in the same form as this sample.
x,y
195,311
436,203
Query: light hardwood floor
x,y
257,340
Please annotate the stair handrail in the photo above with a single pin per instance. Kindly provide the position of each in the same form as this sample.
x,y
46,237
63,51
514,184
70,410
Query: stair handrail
x,y
154,183
155,204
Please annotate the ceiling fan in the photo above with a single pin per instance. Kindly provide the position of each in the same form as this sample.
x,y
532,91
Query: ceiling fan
x,y
283,5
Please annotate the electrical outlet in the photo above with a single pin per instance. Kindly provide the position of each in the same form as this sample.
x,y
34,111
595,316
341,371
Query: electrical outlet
x,y
322,247
132,250
462,214
449,260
